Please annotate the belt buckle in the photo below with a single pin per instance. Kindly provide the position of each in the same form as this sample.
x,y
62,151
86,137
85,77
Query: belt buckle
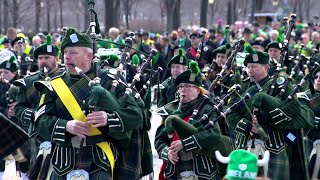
x,y
80,174
76,142
45,145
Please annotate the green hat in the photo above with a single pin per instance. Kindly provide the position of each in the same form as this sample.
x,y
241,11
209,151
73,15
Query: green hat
x,y
191,76
46,49
257,42
112,59
255,56
225,49
74,38
315,71
180,58
242,165
10,63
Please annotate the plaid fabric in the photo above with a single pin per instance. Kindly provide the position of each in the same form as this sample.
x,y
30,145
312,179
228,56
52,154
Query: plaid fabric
x,y
12,136
85,161
279,166
129,162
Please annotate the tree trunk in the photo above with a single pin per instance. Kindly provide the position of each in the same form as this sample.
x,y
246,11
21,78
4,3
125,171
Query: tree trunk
x,y
15,13
253,8
308,10
229,12
245,10
169,10
38,15
48,15
259,5
300,11
176,15
295,6
235,12
126,4
61,13
86,16
173,14
111,14
203,13
55,23
5,19
0,17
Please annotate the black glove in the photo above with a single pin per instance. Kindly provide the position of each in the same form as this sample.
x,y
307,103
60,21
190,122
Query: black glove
x,y
263,118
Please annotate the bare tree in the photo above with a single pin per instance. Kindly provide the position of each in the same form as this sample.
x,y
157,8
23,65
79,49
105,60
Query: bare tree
x,y
162,14
308,10
111,14
173,14
203,13
48,14
84,9
300,10
0,17
61,13
15,11
37,15
6,11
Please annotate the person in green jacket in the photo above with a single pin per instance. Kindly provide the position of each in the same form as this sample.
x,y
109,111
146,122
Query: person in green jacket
x,y
89,126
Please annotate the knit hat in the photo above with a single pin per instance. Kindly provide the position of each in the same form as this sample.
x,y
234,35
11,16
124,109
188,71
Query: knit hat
x,y
225,49
9,63
255,56
242,165
46,49
18,39
191,76
75,39
180,58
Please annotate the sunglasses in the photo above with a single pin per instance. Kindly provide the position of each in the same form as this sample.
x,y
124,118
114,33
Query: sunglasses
x,y
186,86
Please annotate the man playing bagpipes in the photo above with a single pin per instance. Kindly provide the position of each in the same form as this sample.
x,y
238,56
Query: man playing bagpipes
x,y
311,98
177,65
183,143
276,115
88,127
28,99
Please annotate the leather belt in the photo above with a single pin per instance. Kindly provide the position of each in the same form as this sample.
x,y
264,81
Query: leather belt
x,y
88,141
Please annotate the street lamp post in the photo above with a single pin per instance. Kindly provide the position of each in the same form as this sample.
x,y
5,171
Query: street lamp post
x,y
211,2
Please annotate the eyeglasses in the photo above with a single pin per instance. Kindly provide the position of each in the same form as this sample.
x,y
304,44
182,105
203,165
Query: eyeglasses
x,y
186,86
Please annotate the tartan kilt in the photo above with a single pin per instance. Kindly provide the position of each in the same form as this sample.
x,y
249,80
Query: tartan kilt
x,y
278,166
128,165
12,136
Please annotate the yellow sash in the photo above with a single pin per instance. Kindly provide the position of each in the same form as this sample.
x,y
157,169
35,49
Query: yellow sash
x,y
74,109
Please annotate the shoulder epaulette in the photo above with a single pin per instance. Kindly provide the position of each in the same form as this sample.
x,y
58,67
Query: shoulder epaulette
x,y
19,82
41,85
32,74
303,95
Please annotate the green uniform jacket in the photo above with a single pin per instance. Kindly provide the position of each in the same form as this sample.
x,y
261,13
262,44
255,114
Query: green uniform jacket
x,y
28,98
168,93
289,116
51,119
202,144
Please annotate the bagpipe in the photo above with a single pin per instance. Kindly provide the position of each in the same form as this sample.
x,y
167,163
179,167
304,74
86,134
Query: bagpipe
x,y
283,54
226,67
185,129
